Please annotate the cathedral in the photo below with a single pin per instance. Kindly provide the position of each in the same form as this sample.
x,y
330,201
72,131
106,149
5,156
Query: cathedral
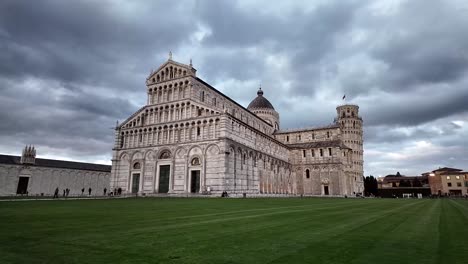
x,y
190,138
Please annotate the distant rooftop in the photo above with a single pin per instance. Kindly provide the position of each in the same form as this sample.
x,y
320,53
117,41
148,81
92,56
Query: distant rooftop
x,y
446,169
292,130
319,144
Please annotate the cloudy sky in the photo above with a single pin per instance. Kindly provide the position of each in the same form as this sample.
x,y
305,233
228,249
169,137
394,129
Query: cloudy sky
x,y
70,69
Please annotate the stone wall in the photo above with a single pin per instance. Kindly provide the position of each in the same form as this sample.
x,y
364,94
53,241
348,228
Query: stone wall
x,y
45,180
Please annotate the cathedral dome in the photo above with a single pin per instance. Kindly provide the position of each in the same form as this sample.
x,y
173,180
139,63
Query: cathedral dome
x,y
260,102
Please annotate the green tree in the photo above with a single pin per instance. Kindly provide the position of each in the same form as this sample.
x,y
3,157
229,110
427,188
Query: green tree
x,y
370,186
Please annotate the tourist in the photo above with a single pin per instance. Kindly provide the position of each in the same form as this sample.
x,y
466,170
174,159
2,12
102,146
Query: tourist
x,y
105,191
89,191
82,191
56,193
64,192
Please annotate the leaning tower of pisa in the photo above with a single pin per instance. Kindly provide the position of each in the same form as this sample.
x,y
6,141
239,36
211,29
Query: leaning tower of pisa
x,y
351,129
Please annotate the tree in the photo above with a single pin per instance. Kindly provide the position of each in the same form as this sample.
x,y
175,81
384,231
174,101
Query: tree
x,y
370,186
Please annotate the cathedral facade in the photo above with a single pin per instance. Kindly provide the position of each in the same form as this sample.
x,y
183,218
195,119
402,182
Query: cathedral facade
x,y
191,138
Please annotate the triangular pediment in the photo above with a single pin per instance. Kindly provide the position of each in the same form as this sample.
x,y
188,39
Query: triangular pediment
x,y
170,70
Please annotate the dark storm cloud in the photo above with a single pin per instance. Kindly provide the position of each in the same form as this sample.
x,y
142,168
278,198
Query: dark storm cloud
x,y
80,40
99,105
306,37
392,134
222,66
430,46
85,59
418,108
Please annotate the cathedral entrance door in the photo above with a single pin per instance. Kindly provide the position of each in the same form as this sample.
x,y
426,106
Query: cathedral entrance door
x,y
325,190
22,185
135,182
195,182
164,172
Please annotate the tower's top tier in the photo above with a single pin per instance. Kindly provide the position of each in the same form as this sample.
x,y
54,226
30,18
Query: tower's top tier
x,y
348,111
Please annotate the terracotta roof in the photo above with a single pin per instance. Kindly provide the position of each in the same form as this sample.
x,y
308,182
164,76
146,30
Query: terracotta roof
x,y
16,160
446,169
319,144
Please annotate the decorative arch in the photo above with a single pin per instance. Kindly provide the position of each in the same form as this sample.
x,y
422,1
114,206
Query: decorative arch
x,y
195,150
124,156
212,149
137,155
149,155
180,152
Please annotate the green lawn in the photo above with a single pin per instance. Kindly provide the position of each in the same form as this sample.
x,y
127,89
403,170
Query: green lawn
x,y
313,230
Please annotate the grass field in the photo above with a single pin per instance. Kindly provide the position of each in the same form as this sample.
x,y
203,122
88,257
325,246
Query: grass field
x,y
312,230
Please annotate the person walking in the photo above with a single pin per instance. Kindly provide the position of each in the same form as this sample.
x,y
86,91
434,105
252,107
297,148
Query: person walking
x,y
89,191
64,192
82,191
105,191
56,193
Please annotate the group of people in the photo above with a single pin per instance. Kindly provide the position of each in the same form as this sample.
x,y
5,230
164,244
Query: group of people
x,y
66,192
115,192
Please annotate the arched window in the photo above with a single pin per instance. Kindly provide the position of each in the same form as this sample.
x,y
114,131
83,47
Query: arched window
x,y
307,174
136,166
